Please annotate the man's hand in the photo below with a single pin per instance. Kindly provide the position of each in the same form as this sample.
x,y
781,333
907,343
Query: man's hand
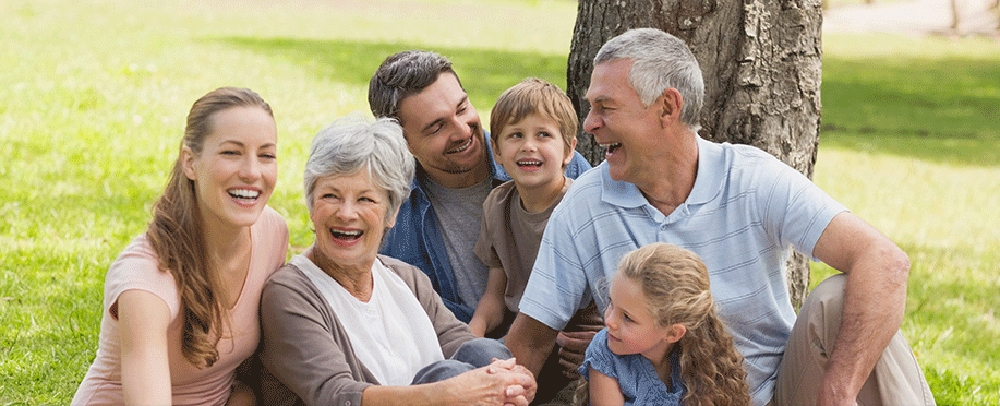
x,y
572,349
574,342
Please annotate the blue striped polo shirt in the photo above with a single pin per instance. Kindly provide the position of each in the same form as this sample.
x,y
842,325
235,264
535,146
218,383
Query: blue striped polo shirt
x,y
745,214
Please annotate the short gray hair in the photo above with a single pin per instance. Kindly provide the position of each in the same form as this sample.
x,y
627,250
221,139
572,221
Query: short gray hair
x,y
401,75
351,144
660,61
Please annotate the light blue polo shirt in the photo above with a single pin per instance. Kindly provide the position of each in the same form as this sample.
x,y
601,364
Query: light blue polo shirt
x,y
746,212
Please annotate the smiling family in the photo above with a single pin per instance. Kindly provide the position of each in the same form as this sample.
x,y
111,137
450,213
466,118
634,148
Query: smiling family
x,y
455,267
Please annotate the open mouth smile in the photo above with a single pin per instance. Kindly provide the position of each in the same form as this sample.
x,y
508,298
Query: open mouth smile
x,y
244,196
461,148
348,235
529,163
612,147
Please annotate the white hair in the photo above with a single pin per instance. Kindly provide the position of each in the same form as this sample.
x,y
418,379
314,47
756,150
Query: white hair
x,y
351,144
660,61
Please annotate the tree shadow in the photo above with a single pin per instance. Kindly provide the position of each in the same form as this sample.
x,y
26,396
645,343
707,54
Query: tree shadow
x,y
485,73
936,110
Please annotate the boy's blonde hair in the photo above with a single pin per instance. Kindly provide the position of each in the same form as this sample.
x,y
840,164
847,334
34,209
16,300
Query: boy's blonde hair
x,y
675,284
534,96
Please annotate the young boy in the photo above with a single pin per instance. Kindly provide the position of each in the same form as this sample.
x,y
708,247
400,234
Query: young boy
x,y
533,134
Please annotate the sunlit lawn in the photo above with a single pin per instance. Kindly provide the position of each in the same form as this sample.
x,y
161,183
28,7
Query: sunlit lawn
x,y
93,96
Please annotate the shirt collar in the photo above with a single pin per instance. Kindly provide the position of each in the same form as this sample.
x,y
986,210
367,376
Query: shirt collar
x,y
707,183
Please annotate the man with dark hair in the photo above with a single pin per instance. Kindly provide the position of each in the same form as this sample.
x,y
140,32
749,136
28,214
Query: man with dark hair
x,y
437,227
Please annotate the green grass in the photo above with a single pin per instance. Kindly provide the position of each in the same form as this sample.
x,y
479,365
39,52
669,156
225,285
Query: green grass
x,y
94,93
910,141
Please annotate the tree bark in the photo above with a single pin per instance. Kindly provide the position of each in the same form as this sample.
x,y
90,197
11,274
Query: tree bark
x,y
956,16
761,64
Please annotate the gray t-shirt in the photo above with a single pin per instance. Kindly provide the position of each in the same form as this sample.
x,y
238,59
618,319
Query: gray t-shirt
x,y
510,236
460,213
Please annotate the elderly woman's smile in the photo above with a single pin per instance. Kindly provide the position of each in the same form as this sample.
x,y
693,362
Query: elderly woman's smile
x,y
349,216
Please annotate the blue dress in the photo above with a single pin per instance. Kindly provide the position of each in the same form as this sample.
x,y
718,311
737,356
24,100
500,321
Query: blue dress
x,y
636,376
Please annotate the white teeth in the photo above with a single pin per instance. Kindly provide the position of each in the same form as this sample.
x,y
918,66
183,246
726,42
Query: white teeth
x,y
529,162
244,193
462,148
346,234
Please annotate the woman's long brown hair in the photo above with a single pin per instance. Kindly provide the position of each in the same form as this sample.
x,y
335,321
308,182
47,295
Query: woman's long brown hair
x,y
176,234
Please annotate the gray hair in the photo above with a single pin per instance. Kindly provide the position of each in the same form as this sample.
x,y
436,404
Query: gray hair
x,y
351,144
401,75
660,61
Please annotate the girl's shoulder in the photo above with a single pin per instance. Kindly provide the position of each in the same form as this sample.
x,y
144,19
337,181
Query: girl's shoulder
x,y
600,357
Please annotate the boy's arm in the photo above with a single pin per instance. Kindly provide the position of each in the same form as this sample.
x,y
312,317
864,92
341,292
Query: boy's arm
x,y
604,390
490,311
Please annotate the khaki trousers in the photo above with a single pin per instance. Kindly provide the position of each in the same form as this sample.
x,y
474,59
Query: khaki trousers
x,y
896,379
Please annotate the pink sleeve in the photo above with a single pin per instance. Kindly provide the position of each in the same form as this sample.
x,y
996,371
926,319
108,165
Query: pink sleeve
x,y
136,268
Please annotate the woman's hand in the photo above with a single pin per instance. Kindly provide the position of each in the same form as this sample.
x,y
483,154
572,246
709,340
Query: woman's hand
x,y
515,391
501,383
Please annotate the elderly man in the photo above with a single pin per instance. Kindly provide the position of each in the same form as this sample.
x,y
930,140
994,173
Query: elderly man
x,y
741,210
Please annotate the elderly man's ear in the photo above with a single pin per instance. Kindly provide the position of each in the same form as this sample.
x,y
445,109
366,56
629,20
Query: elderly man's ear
x,y
670,102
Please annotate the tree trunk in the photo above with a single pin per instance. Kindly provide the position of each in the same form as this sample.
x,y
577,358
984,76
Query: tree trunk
x,y
956,16
761,64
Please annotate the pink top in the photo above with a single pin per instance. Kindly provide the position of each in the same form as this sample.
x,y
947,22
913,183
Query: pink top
x,y
136,268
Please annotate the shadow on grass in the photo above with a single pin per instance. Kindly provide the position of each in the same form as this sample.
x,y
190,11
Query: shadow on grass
x,y
485,73
936,110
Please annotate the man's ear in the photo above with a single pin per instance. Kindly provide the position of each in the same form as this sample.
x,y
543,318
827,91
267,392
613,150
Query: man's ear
x,y
187,163
409,145
671,103
674,333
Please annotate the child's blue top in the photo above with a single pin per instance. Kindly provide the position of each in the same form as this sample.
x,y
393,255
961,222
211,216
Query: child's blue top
x,y
635,374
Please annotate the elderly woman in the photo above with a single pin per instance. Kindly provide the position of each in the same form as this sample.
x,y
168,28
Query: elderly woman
x,y
345,326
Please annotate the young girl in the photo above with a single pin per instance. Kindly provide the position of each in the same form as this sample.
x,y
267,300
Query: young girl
x,y
663,344
180,302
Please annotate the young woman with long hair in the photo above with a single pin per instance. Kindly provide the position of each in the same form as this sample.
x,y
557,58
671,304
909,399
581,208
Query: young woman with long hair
x,y
181,301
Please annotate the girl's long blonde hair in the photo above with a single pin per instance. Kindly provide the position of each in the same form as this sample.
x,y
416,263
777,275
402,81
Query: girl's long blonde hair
x,y
675,284
175,233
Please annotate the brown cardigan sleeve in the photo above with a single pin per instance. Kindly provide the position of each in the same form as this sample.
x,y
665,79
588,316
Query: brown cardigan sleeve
x,y
305,348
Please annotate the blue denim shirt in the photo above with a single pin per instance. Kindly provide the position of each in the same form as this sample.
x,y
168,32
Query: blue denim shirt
x,y
416,238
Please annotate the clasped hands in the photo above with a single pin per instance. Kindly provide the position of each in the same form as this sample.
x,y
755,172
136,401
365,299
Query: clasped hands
x,y
520,384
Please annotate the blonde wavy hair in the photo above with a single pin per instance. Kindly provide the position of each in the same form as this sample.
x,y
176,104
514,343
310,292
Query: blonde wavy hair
x,y
675,284
175,233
